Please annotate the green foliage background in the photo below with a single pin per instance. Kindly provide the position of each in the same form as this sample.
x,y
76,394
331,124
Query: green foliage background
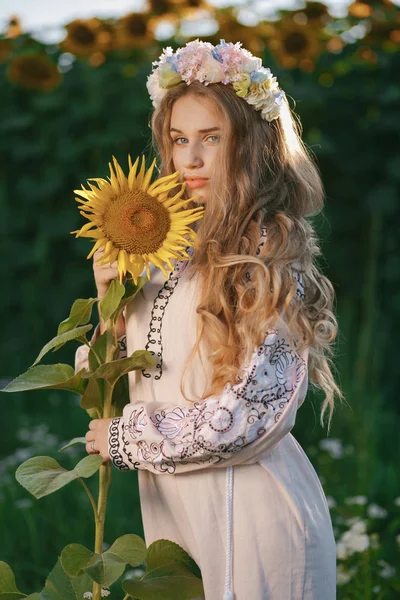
x,y
52,142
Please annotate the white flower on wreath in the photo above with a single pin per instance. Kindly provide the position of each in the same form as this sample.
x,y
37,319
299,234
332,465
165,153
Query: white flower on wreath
x,y
210,70
153,85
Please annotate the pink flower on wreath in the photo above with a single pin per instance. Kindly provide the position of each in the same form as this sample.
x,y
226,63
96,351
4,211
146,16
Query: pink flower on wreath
x,y
190,57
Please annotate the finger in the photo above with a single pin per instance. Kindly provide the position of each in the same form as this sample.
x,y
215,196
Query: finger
x,y
93,423
90,449
90,436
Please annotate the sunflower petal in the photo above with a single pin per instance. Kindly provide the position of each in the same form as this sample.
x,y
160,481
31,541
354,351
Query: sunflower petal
x,y
139,179
148,176
132,174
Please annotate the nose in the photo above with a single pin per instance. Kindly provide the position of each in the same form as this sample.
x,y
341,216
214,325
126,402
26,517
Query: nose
x,y
193,159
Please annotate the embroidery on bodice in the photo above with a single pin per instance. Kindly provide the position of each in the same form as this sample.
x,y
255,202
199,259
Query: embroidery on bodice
x,y
160,303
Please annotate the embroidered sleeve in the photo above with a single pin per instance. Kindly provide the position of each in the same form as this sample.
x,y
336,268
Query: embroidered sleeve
x,y
164,438
82,352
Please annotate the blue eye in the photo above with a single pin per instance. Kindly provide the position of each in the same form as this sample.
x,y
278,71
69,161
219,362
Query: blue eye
x,y
175,141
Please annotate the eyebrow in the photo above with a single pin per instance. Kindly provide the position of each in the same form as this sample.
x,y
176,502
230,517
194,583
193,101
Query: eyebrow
x,y
200,130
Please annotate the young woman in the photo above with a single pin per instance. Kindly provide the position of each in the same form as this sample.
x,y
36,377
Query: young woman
x,y
238,333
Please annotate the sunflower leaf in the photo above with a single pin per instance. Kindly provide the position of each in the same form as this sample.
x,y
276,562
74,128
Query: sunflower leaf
x,y
74,559
8,587
92,398
80,314
113,370
111,300
107,567
120,397
168,582
61,586
73,442
41,377
42,475
59,340
130,292
163,552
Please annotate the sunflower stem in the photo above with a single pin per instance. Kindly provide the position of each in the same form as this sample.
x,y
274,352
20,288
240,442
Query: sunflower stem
x,y
105,469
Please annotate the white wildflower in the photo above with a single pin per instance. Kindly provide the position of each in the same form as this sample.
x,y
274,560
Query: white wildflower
x,y
397,501
376,512
343,576
357,500
398,539
333,446
88,595
387,570
330,501
376,589
105,592
353,540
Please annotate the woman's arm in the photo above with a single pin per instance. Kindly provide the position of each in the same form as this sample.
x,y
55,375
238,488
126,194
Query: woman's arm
x,y
258,410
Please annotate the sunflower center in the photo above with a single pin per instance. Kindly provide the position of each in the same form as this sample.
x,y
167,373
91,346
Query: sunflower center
x,y
136,25
84,35
35,67
295,43
136,222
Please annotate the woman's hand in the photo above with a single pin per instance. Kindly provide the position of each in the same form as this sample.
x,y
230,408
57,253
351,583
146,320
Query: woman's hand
x,y
103,274
97,438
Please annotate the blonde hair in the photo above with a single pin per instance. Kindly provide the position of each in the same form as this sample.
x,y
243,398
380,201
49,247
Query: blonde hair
x,y
267,178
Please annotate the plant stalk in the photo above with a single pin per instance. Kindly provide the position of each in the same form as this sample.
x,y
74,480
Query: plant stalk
x,y
105,469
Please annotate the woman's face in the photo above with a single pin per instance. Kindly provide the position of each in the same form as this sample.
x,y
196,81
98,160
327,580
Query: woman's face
x,y
196,137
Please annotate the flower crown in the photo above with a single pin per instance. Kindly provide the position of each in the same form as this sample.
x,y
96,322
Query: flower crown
x,y
225,63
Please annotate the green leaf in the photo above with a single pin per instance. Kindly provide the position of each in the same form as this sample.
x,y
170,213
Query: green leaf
x,y
42,475
111,300
61,586
130,548
74,442
100,348
8,588
130,291
80,314
107,567
62,339
120,397
74,559
43,377
163,552
172,581
92,397
113,370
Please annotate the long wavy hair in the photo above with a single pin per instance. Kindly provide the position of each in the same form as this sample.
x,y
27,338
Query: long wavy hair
x,y
266,177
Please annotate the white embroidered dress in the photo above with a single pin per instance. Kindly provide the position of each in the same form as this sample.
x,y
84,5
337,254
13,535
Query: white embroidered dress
x,y
223,477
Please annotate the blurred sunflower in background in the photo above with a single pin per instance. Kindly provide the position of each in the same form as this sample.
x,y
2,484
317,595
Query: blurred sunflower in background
x,y
84,37
132,31
137,222
5,50
295,45
34,71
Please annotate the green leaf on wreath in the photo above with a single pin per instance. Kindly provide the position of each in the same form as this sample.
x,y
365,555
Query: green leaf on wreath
x,y
59,340
59,376
42,475
8,588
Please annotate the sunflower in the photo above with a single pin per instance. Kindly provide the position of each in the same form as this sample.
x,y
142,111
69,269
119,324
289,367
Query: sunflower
x,y
295,45
132,31
136,221
34,71
5,50
85,37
